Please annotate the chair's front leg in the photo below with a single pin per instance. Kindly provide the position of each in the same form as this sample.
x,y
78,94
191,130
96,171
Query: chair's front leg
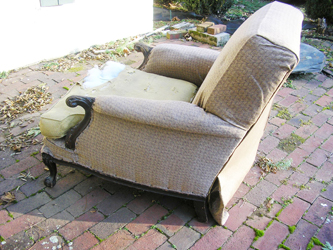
x,y
51,180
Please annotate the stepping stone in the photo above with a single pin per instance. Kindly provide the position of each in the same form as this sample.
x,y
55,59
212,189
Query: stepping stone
x,y
312,60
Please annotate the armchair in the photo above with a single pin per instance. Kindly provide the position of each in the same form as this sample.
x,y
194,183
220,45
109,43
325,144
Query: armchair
x,y
199,150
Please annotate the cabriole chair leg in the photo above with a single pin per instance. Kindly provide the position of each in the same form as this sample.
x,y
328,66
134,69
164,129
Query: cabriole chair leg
x,y
51,180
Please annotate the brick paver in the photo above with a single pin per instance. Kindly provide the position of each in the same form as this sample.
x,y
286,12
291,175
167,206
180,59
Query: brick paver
x,y
80,211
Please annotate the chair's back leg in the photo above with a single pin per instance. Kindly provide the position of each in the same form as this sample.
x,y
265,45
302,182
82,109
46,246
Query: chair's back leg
x,y
201,210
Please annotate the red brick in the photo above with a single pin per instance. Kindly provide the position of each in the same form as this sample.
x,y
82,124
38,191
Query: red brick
x,y
253,176
273,237
328,83
328,194
301,236
113,223
238,214
53,241
277,121
268,144
142,223
258,222
216,29
114,202
202,227
325,131
66,183
311,193
37,170
48,226
312,110
87,202
150,241
317,158
259,193
297,156
278,177
142,202
288,100
19,167
118,241
318,211
241,192
22,223
284,191
213,239
80,224
241,240
284,92
284,131
325,173
320,119
324,100
307,169
85,241
4,217
306,131
297,108
171,225
276,155
293,212
326,232
276,207
311,144
328,145
184,238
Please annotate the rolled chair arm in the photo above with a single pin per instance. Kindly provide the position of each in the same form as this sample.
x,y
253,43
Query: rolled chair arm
x,y
175,115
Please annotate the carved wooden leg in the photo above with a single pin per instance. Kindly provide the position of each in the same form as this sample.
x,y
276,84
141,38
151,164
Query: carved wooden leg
x,y
201,210
51,180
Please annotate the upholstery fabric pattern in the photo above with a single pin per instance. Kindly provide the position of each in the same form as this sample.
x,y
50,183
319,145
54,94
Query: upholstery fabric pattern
x,y
251,67
148,152
181,62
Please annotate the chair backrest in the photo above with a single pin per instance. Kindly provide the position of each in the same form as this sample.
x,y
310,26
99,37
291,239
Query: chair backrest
x,y
253,65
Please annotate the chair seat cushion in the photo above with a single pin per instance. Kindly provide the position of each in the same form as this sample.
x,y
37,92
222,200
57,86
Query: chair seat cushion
x,y
130,83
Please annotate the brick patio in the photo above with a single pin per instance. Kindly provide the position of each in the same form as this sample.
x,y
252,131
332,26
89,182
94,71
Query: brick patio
x,y
84,212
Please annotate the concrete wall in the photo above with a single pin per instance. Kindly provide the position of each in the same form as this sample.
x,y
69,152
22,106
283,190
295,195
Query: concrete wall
x,y
30,33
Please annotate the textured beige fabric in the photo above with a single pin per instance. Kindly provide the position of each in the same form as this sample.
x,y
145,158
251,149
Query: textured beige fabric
x,y
130,83
147,152
181,62
252,65
235,170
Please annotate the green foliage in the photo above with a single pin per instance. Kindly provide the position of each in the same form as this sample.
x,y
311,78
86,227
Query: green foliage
x,y
320,9
327,246
290,143
284,247
292,229
283,112
289,84
3,74
207,7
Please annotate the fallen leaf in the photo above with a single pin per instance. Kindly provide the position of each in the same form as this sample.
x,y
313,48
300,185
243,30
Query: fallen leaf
x,y
8,197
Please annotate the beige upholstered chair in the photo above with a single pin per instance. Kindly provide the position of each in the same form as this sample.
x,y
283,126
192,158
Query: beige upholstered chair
x,y
199,150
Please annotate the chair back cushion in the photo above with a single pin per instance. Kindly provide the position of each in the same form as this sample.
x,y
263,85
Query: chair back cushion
x,y
188,63
252,66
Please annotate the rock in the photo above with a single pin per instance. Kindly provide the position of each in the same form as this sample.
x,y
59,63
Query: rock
x,y
312,60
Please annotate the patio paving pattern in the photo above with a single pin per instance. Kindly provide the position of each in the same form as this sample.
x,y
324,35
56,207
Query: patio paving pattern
x,y
269,211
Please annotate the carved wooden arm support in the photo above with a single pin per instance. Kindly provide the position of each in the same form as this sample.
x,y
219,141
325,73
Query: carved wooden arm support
x,y
86,103
145,49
